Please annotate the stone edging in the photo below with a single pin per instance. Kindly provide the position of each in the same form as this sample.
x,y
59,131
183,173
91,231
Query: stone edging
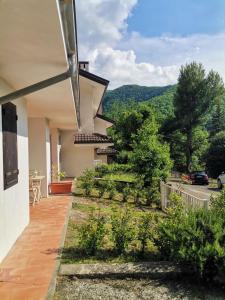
x,y
135,270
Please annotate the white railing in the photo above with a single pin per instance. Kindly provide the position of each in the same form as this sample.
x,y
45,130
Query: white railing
x,y
190,201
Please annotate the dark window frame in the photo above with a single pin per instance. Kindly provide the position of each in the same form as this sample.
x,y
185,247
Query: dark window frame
x,y
10,146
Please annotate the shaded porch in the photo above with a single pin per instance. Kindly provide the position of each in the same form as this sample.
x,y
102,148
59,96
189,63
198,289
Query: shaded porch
x,y
28,270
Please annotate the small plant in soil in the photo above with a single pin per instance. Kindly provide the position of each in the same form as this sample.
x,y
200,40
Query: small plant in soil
x,y
91,234
87,182
122,229
145,231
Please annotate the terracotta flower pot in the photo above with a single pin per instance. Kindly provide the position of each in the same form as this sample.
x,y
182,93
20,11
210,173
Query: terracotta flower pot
x,y
60,187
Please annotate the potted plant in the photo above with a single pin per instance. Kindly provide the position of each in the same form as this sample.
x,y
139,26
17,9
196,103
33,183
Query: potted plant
x,y
58,186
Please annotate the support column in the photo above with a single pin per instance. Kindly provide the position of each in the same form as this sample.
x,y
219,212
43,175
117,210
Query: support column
x,y
39,150
55,152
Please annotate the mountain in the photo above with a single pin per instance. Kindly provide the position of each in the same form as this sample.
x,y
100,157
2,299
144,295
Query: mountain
x,y
163,104
137,93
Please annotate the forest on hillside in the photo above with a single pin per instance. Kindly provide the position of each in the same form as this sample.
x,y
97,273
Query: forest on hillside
x,y
136,93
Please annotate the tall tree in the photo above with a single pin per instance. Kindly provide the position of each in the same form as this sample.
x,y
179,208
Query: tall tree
x,y
150,157
126,128
195,94
217,120
215,161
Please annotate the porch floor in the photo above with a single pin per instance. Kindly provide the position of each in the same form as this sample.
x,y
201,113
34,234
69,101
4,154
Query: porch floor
x,y
27,272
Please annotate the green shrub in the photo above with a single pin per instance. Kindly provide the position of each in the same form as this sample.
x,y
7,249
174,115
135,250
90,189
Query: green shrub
x,y
138,190
104,169
111,189
153,193
104,186
87,181
91,234
101,170
122,229
196,238
101,186
218,202
145,230
127,192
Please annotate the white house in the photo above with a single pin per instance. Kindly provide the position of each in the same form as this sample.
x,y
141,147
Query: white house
x,y
39,97
88,145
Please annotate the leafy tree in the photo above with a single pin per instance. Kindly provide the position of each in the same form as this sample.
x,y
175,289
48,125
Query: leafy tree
x,y
216,121
117,108
215,161
163,105
126,128
150,157
195,94
178,142
200,148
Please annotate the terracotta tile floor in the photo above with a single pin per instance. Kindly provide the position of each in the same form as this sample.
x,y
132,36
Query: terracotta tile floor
x,y
27,271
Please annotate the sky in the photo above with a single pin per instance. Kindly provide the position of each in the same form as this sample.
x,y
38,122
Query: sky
x,y
145,42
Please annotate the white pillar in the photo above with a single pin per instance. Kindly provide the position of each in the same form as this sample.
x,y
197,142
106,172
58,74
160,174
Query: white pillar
x,y
39,150
55,152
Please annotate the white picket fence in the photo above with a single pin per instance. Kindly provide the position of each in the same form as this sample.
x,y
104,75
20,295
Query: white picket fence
x,y
190,201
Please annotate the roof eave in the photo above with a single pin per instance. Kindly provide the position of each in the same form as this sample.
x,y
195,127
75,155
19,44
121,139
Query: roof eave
x,y
97,79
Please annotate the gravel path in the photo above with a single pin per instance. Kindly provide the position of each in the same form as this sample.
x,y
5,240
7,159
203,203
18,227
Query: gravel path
x,y
74,289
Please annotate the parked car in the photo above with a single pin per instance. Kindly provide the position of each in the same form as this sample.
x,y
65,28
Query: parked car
x,y
199,177
221,180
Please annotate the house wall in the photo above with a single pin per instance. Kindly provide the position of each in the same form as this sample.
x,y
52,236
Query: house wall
x,y
75,159
100,126
86,108
39,150
14,202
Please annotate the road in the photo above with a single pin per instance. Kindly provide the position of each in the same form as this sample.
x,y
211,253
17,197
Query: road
x,y
200,191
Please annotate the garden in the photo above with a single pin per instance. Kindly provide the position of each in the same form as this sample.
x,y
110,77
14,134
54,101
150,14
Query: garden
x,y
116,215
106,228
117,182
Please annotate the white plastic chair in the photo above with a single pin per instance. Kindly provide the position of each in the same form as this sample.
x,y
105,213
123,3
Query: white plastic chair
x,y
33,189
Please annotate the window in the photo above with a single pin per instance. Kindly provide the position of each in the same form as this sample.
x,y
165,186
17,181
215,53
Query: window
x,y
9,135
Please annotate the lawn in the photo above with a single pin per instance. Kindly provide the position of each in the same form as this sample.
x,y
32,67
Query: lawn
x,y
125,177
82,208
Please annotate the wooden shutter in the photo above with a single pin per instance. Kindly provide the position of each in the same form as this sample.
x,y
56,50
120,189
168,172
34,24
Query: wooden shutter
x,y
10,155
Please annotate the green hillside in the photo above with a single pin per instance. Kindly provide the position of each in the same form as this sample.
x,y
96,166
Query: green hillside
x,y
137,93
163,104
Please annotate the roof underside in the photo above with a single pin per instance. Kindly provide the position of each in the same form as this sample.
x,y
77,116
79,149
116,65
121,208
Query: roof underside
x,y
98,83
33,50
104,118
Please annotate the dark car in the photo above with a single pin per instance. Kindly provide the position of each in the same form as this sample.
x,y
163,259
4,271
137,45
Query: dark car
x,y
199,177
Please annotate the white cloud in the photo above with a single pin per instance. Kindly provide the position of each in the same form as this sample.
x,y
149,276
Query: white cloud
x,y
122,68
102,22
126,59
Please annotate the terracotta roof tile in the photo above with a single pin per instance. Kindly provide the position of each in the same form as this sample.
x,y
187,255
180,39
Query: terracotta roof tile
x,y
94,138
